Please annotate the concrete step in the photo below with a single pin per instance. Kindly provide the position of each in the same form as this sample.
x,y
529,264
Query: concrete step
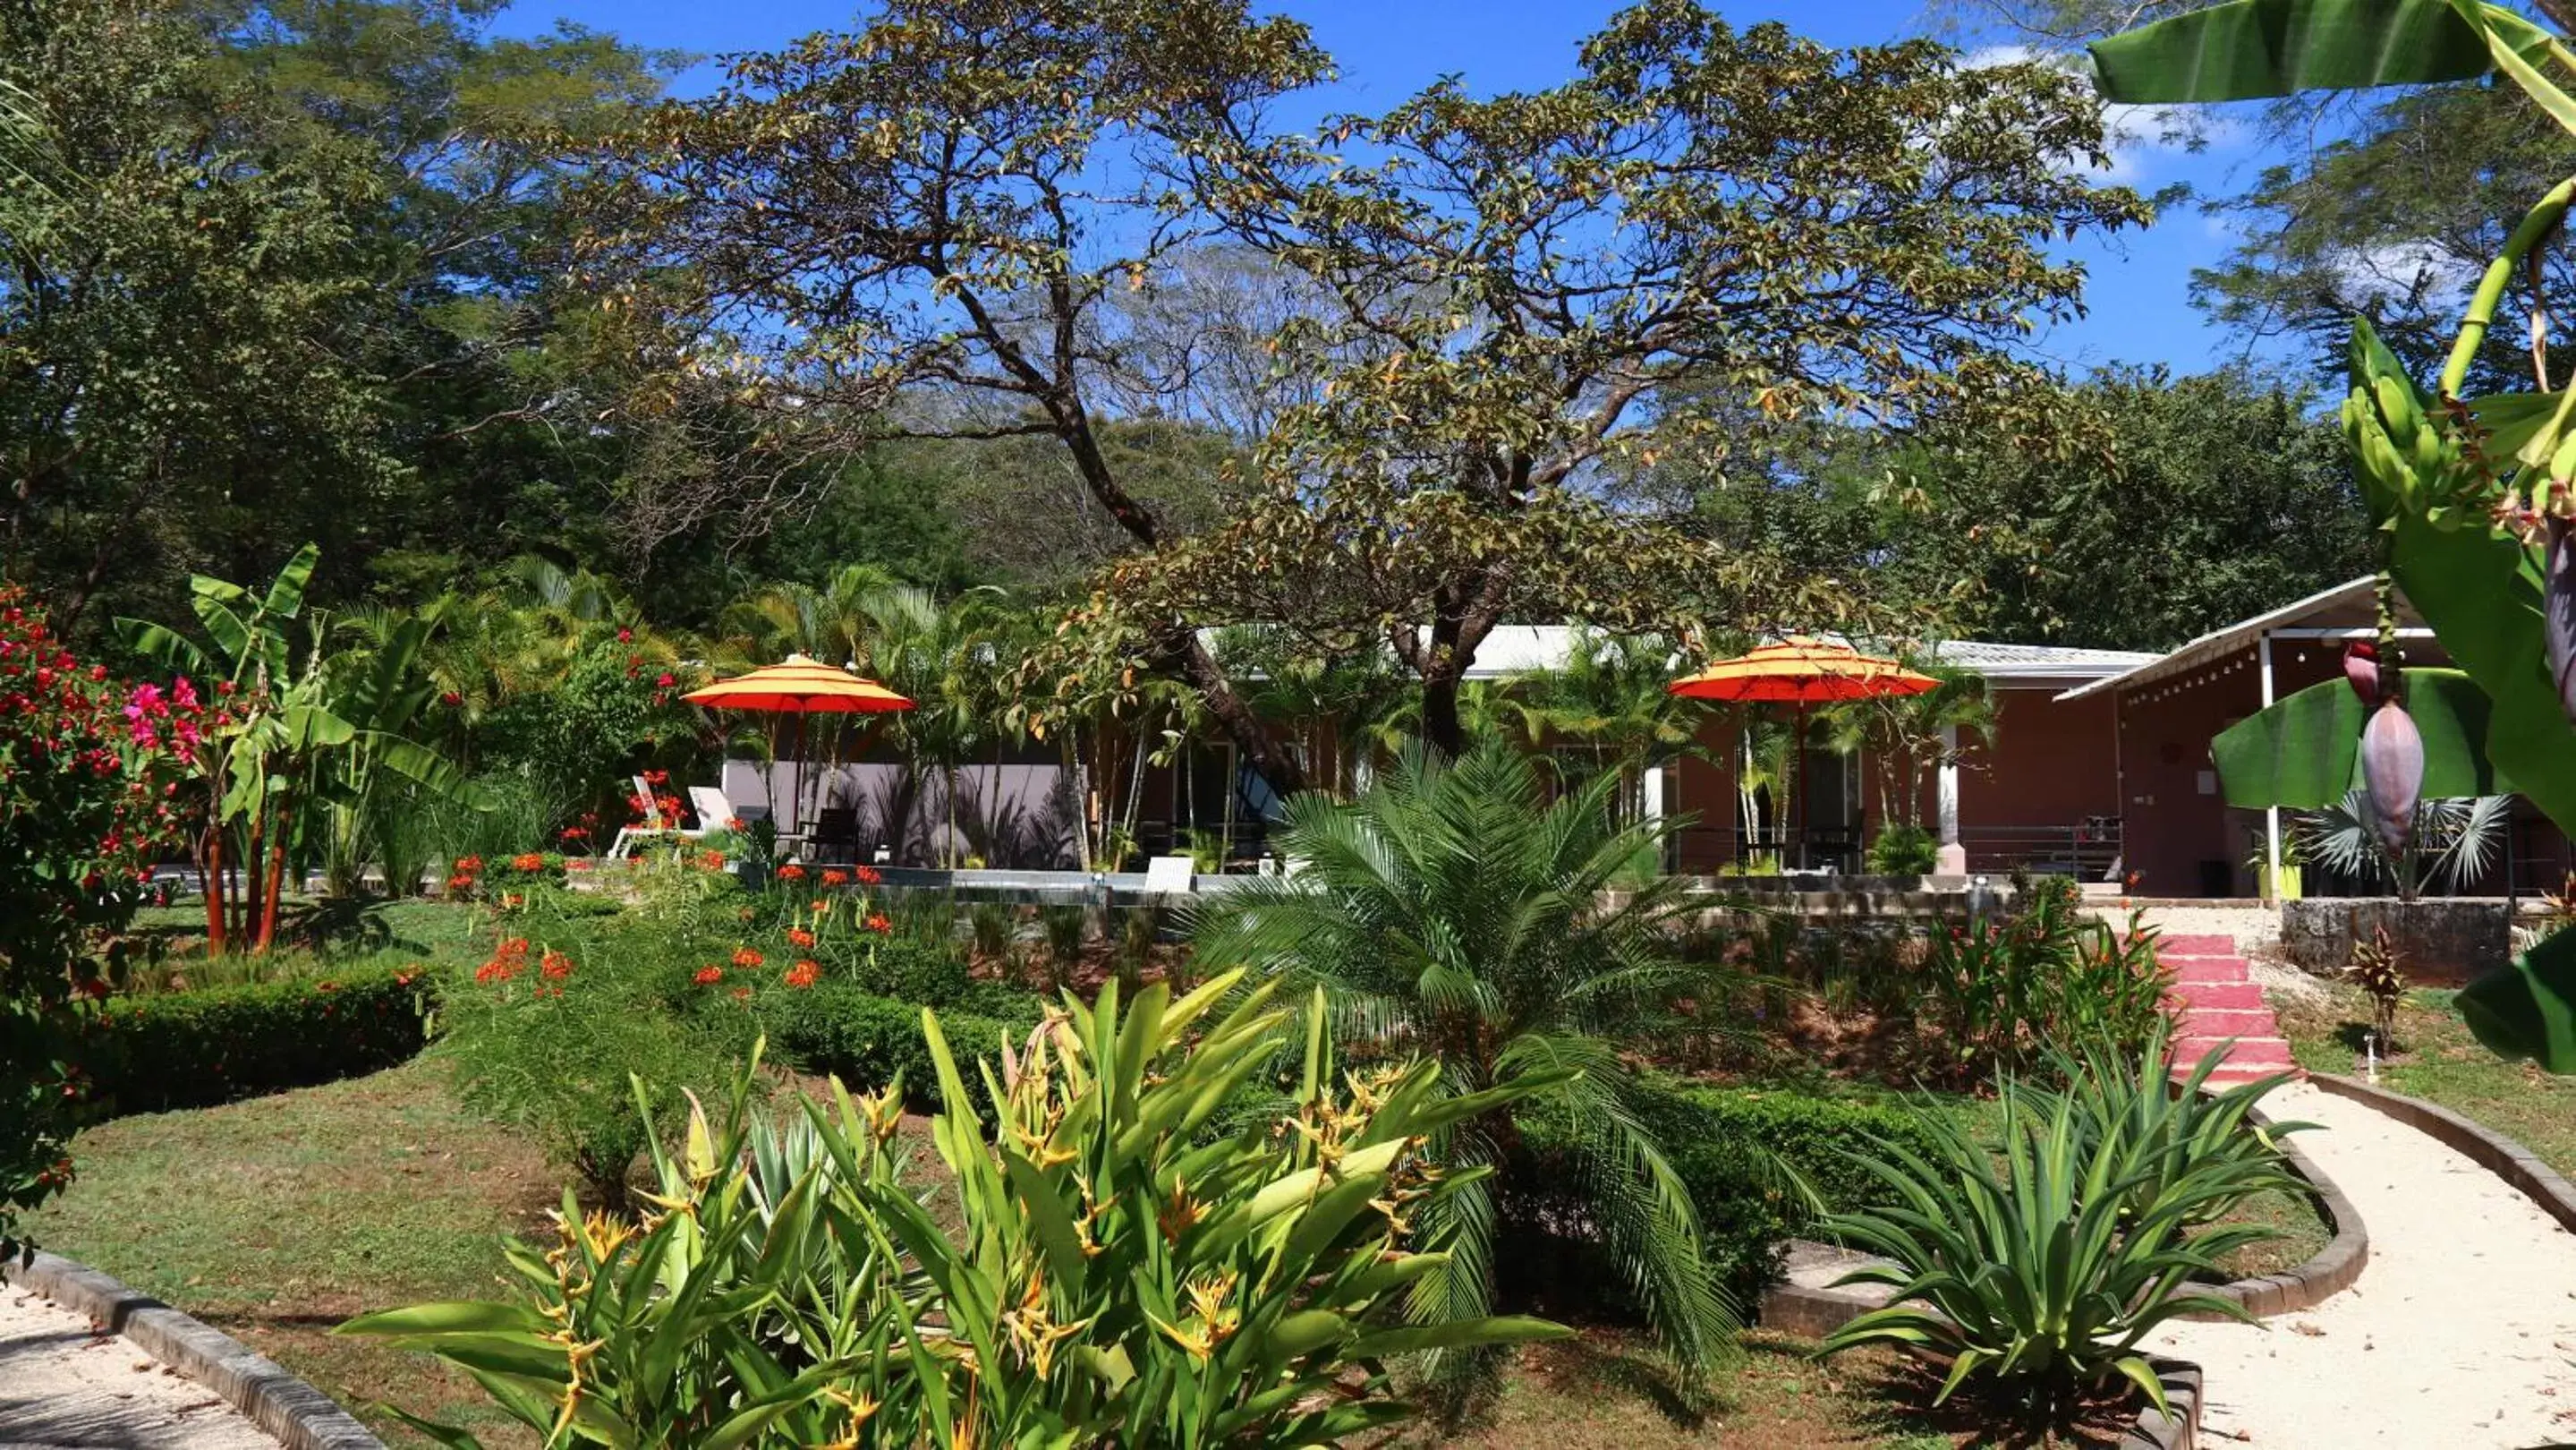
x,y
2222,995
2269,1052
2231,1074
2216,1022
2195,946
2207,969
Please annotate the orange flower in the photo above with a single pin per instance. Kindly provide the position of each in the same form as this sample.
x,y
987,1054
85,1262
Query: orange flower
x,y
554,965
711,861
746,957
818,904
867,876
804,974
836,878
577,864
800,936
791,872
528,861
878,923
708,975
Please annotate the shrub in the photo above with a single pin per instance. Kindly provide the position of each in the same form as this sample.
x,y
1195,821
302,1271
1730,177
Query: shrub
x,y
909,970
547,1043
2009,990
1115,1277
2037,1274
80,822
192,1049
871,1042
1760,1165
1904,851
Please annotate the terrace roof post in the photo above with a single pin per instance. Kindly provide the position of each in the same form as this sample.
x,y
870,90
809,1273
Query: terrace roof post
x,y
2271,814
1952,859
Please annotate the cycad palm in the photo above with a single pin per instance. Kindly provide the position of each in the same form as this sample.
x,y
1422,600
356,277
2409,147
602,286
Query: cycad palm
x,y
1452,911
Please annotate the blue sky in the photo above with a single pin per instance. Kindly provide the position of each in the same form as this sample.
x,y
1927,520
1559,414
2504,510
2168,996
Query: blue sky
x,y
2138,294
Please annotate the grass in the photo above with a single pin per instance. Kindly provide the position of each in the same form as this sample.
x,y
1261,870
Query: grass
x,y
277,1218
2437,1060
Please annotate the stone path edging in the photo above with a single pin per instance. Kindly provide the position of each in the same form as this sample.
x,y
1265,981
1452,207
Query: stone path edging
x,y
2491,1150
300,1416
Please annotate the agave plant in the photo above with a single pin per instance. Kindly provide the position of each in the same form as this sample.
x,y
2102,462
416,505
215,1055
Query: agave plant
x,y
1451,910
2038,1275
1124,1273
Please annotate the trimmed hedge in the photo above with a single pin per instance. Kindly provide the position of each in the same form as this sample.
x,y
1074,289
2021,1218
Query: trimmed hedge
x,y
1728,1146
195,1049
864,1039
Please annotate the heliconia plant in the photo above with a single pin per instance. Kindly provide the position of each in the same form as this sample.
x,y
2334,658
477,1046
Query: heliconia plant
x,y
1136,1260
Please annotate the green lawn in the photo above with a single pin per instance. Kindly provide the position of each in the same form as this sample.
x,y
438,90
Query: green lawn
x,y
2437,1060
276,1218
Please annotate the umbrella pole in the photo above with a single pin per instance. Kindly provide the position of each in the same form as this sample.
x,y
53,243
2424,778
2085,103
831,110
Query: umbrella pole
x,y
1798,765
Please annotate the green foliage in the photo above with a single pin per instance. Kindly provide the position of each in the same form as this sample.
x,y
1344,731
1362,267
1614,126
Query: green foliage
x,y
2304,750
1903,851
2250,49
2011,990
1759,1165
1121,1274
2526,1011
876,1043
1453,908
2037,1274
546,1043
170,1050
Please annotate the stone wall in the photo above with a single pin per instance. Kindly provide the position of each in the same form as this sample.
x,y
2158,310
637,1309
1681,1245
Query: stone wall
x,y
2440,942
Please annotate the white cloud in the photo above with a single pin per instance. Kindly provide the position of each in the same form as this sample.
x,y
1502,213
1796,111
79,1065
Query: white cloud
x,y
2138,139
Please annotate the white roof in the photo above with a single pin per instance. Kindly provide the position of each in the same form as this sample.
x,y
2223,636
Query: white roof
x,y
1517,649
2353,605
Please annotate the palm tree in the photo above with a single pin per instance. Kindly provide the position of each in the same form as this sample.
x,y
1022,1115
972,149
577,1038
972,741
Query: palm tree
x,y
1907,732
1609,698
1451,910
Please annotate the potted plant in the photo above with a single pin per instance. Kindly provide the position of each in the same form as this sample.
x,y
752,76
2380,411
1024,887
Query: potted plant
x,y
2259,860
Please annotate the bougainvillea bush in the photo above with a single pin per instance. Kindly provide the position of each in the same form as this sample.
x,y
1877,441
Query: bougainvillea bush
x,y
85,811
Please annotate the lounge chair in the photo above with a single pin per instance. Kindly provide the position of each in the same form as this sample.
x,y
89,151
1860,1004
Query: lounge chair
x,y
654,828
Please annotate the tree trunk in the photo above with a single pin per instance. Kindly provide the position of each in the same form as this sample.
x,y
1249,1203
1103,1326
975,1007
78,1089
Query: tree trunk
x,y
1182,655
1442,730
270,890
210,872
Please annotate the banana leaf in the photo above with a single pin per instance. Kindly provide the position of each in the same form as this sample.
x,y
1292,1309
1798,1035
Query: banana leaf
x,y
2257,49
2303,752
2528,1009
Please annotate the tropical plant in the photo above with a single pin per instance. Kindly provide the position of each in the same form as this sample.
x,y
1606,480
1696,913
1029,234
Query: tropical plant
x,y
1604,708
1903,850
2039,1272
1123,1272
1452,910
295,730
2474,498
2009,991
2379,970
2456,840
1910,735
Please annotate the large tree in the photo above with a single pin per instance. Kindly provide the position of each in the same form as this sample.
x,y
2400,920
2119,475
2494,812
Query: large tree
x,y
921,229
297,284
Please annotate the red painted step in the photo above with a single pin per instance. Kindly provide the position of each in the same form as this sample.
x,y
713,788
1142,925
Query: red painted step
x,y
2215,1004
2218,996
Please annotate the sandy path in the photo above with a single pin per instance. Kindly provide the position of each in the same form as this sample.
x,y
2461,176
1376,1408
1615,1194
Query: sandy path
x,y
63,1385
2460,1333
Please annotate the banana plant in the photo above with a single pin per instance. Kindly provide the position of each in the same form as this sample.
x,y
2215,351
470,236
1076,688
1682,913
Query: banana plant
x,y
2475,497
283,726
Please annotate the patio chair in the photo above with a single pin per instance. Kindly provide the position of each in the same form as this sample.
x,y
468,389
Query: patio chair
x,y
714,811
836,829
653,827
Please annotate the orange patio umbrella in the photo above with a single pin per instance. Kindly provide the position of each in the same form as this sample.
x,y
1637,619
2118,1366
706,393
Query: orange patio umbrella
x,y
800,686
1802,671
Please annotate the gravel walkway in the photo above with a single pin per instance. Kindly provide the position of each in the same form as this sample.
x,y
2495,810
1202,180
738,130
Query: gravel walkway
x,y
62,1384
2461,1332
